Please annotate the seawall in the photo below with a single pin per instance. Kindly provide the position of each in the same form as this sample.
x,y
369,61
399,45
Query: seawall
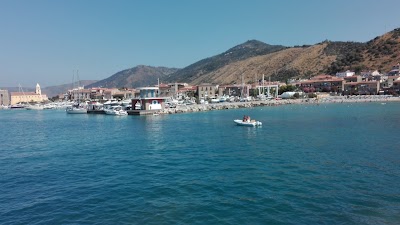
x,y
237,105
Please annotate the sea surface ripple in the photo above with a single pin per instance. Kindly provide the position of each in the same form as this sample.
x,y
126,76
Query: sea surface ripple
x,y
307,164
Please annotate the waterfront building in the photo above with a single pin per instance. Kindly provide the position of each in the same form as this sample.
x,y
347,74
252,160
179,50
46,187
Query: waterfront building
x,y
395,70
322,83
97,93
354,78
167,90
361,88
388,82
4,98
187,92
148,99
368,74
205,91
17,97
229,90
347,73
108,93
396,87
79,93
173,90
124,94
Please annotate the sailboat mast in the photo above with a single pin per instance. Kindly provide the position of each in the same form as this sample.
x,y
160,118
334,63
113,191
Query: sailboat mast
x,y
262,85
269,83
158,85
241,94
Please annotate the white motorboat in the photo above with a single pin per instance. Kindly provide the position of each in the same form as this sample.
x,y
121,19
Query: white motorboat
x,y
116,111
215,100
17,106
76,110
34,107
248,123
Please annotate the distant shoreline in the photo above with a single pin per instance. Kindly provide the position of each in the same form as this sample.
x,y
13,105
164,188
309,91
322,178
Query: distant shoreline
x,y
251,104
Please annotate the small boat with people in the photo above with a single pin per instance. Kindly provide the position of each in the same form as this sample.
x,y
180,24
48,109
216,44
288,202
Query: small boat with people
x,y
246,121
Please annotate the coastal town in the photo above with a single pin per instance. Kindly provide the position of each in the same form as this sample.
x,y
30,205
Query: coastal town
x,y
182,97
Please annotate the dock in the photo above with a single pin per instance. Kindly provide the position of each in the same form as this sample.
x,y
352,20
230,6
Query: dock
x,y
96,112
142,112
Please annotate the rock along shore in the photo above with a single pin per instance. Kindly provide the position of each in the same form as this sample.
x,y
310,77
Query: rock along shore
x,y
249,104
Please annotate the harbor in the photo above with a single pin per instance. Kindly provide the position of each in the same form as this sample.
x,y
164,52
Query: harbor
x,y
182,168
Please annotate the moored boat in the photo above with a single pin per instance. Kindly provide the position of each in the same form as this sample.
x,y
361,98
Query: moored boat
x,y
116,111
76,110
34,107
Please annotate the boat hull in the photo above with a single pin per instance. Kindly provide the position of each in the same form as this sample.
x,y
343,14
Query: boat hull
x,y
248,124
76,111
34,107
116,113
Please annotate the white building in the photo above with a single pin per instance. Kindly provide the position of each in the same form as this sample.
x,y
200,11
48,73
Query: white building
x,y
348,73
36,96
370,73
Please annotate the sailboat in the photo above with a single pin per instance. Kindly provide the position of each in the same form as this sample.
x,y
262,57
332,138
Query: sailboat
x,y
76,108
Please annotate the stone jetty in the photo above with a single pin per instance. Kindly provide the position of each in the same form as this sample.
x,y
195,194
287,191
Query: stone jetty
x,y
249,104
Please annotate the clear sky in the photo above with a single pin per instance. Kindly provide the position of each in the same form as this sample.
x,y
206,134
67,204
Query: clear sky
x,y
43,41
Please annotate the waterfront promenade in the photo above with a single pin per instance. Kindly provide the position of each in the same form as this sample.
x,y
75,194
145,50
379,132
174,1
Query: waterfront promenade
x,y
274,102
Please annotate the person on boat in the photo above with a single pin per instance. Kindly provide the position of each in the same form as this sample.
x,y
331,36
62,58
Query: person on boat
x,y
246,118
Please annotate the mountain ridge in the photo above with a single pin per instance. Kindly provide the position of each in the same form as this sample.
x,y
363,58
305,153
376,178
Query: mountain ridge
x,y
137,76
253,58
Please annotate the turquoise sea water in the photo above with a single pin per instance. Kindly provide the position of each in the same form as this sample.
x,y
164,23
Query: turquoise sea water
x,y
307,164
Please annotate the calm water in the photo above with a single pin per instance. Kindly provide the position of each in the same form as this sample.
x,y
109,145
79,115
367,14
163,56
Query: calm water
x,y
326,164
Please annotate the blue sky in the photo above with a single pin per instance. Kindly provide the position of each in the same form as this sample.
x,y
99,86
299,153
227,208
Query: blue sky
x,y
43,41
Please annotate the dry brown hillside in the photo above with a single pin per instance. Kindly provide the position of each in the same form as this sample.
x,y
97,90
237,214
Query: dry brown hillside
x,y
300,62
253,58
383,52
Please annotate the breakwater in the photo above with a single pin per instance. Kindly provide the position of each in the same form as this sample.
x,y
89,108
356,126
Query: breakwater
x,y
249,104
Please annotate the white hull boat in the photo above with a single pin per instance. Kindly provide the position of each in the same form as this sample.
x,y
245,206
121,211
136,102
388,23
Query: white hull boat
x,y
34,107
116,111
74,110
251,123
215,100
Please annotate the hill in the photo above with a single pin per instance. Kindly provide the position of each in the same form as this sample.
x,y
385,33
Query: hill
x,y
238,53
282,63
135,77
253,58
